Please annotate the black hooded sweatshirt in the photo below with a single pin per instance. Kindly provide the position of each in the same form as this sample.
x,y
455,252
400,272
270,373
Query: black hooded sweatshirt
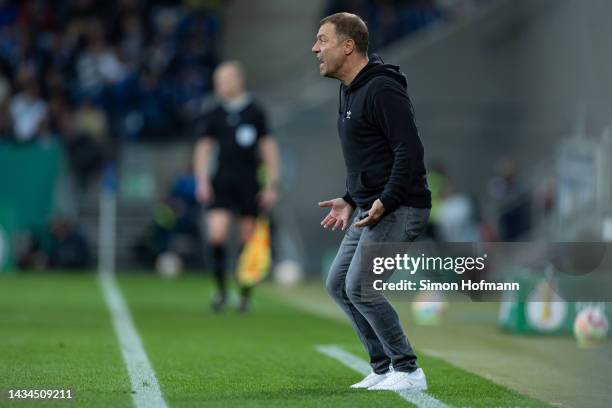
x,y
380,141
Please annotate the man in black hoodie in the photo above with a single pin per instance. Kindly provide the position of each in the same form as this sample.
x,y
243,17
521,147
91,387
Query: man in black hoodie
x,y
386,185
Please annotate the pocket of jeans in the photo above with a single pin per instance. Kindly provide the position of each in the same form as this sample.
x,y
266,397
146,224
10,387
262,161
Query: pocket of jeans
x,y
416,222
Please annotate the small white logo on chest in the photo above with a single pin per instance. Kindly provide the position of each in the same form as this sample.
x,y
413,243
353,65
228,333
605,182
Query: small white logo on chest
x,y
348,114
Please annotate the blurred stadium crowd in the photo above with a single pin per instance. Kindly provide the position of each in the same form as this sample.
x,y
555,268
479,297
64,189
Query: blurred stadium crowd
x,y
508,212
89,72
86,75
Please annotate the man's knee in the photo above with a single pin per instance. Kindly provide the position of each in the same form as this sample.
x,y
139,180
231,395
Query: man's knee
x,y
354,290
360,291
334,285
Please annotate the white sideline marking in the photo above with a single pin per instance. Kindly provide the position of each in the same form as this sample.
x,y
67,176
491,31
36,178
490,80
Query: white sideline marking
x,y
145,388
420,399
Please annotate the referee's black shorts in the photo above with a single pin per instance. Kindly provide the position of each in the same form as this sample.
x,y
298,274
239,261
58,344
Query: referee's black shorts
x,y
236,195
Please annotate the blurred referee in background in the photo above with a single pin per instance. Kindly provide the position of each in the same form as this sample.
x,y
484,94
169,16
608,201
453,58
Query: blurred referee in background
x,y
237,126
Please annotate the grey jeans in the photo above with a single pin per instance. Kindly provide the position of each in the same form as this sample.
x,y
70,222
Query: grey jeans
x,y
373,318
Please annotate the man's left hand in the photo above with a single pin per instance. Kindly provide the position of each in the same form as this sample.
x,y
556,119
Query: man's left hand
x,y
374,215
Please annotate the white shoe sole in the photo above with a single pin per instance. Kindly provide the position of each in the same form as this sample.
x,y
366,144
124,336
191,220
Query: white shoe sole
x,y
412,389
407,389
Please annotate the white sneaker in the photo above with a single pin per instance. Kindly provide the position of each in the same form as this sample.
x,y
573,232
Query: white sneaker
x,y
402,381
370,380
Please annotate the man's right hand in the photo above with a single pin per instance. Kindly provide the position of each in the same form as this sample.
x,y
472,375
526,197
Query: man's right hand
x,y
204,192
339,214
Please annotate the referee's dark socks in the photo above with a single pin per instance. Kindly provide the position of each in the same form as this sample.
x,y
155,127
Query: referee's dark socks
x,y
219,261
245,292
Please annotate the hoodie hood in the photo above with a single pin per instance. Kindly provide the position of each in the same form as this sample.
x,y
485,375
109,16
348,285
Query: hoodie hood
x,y
377,67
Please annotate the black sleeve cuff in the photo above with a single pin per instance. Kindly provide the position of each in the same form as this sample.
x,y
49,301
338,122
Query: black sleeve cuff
x,y
348,199
389,203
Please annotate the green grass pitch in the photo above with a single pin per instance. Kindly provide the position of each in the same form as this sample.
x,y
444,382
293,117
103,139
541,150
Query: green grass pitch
x,y
55,332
